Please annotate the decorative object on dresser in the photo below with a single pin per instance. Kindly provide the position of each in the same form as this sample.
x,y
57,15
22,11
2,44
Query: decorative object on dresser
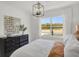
x,y
9,44
22,29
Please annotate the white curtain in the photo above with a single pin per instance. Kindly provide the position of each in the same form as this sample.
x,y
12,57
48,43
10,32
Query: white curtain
x,y
68,23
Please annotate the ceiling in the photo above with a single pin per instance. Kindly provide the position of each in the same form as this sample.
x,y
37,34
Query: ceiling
x,y
27,5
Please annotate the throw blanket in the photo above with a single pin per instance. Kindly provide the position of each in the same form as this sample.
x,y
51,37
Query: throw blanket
x,y
57,50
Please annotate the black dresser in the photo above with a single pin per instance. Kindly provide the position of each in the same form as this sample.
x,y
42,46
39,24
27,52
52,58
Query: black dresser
x,y
10,44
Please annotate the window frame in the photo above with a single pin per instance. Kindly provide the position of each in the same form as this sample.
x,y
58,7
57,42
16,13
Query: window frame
x,y
51,22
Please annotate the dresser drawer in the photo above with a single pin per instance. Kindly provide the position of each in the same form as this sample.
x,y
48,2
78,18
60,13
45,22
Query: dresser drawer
x,y
23,43
12,40
11,45
23,38
11,48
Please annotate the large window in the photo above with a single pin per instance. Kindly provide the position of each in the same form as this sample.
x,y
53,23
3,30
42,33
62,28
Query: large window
x,y
52,25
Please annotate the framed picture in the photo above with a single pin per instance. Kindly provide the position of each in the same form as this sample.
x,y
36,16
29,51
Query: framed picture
x,y
11,25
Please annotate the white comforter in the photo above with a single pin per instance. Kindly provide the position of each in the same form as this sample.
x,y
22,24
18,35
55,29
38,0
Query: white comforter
x,y
71,47
38,48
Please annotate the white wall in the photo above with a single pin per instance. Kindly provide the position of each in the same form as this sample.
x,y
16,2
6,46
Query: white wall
x,y
34,22
9,10
75,15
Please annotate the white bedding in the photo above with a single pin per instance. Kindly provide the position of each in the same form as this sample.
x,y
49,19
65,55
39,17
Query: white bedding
x,y
41,48
38,48
71,47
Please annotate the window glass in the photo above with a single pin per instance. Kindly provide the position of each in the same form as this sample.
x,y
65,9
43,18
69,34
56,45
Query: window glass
x,y
52,25
45,26
57,25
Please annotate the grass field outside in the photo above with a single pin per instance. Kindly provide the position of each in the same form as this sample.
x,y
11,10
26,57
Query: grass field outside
x,y
57,29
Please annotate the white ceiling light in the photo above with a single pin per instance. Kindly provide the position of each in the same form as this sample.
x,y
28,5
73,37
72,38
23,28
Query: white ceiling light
x,y
38,10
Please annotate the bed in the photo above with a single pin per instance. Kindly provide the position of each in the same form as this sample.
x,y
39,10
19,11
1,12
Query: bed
x,y
38,48
71,46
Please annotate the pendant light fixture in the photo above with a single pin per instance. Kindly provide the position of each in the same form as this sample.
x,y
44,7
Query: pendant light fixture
x,y
38,10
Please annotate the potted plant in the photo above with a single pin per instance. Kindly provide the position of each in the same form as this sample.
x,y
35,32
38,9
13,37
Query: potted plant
x,y
22,29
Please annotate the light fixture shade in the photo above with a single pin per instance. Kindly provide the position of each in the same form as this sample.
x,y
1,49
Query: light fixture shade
x,y
38,10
